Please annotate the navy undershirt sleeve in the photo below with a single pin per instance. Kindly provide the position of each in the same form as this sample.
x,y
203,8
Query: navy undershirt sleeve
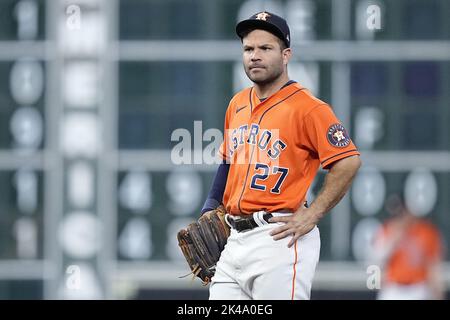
x,y
217,189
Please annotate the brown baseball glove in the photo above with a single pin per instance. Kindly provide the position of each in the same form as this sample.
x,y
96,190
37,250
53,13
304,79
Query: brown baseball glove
x,y
203,241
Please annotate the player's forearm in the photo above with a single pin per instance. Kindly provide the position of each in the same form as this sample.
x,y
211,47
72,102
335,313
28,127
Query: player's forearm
x,y
337,182
386,245
383,251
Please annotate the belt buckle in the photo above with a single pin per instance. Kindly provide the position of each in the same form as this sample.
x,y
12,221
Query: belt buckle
x,y
245,223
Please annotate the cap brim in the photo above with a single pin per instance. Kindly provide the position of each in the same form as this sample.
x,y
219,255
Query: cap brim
x,y
246,25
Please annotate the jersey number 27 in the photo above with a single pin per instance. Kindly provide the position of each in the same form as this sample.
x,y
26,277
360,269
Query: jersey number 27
x,y
265,174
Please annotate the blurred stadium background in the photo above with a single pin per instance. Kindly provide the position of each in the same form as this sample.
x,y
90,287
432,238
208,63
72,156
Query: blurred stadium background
x,y
91,91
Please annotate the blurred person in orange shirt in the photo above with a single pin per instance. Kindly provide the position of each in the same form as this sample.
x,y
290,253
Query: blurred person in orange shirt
x,y
409,250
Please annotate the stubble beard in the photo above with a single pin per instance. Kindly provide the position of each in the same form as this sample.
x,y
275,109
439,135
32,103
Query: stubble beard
x,y
264,81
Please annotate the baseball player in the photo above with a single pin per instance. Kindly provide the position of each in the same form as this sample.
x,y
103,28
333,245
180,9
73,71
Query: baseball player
x,y
410,251
277,134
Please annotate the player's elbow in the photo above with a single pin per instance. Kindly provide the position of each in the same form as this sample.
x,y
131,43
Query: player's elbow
x,y
356,162
350,164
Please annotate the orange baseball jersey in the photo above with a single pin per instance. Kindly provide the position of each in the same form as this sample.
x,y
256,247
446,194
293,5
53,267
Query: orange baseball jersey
x,y
410,262
276,146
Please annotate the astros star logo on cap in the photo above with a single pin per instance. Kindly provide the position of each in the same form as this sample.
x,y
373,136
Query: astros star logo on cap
x,y
262,16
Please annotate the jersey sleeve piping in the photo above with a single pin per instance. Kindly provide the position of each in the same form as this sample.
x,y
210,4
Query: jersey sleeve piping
x,y
327,162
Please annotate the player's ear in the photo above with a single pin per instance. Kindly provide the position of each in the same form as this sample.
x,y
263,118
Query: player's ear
x,y
287,53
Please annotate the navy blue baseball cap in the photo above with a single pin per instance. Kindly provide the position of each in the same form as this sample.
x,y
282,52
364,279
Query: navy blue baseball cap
x,y
266,21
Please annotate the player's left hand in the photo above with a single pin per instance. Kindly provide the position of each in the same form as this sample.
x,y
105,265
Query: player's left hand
x,y
297,225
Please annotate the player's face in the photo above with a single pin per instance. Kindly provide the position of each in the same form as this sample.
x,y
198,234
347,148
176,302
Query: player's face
x,y
264,61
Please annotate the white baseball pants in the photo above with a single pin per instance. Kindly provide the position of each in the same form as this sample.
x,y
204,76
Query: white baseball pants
x,y
254,266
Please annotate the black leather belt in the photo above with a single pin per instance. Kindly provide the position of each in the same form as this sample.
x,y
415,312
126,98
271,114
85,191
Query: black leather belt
x,y
243,224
